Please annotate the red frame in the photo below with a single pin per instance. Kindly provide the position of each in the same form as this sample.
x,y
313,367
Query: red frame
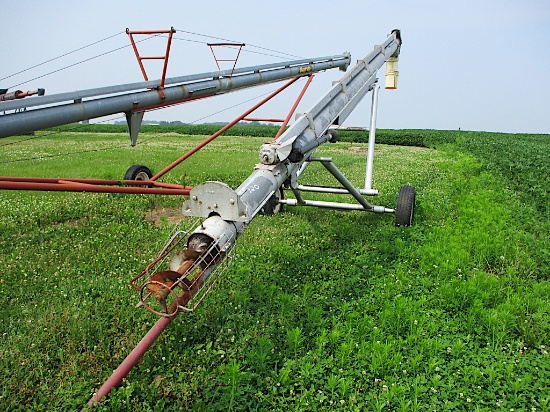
x,y
140,58
240,45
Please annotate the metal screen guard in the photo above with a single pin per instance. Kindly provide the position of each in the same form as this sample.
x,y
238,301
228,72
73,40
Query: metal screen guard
x,y
181,277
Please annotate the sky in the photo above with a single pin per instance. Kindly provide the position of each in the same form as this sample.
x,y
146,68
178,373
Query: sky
x,y
479,65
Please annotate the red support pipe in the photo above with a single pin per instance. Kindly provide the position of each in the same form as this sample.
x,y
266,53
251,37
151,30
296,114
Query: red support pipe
x,y
261,119
131,360
70,186
146,342
221,131
167,54
56,179
293,109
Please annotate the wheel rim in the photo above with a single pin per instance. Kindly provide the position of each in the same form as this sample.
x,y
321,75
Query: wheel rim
x,y
142,176
278,206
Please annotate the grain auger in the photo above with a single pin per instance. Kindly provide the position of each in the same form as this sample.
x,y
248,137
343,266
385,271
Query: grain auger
x,y
194,258
225,212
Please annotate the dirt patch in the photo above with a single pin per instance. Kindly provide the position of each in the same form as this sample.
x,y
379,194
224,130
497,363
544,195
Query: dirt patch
x,y
156,216
358,149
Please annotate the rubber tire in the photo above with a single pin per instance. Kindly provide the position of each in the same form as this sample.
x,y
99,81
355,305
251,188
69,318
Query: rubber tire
x,y
333,135
404,212
138,172
272,206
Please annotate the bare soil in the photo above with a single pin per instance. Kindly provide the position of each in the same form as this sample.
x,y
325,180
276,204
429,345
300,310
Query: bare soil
x,y
172,215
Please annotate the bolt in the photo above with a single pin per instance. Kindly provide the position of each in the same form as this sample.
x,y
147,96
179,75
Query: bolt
x,y
232,201
194,198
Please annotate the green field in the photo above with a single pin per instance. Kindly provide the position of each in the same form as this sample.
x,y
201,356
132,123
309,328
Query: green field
x,y
321,310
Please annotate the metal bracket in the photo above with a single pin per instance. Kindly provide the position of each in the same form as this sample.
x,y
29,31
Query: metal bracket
x,y
134,120
273,153
311,123
210,198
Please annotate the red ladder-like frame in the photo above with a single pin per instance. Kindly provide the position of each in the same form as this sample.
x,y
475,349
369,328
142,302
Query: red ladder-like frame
x,y
239,45
140,58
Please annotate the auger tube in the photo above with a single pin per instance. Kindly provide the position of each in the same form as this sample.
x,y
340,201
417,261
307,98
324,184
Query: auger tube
x,y
77,110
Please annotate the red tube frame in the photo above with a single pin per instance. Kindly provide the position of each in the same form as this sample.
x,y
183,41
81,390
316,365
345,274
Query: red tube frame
x,y
140,58
240,45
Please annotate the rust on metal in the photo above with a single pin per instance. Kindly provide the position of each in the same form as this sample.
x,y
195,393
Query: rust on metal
x,y
92,185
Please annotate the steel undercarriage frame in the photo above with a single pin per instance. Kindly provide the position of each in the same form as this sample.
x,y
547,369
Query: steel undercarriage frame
x,y
347,187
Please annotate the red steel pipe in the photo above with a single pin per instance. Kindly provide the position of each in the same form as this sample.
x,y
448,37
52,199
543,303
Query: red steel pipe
x,y
56,179
131,360
260,119
152,57
172,30
70,186
87,184
146,342
166,56
171,185
293,109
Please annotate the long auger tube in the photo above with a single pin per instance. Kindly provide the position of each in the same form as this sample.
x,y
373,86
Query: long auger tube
x,y
154,84
284,158
137,102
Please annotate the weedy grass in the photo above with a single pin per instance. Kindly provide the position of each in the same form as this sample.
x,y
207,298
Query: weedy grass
x,y
321,310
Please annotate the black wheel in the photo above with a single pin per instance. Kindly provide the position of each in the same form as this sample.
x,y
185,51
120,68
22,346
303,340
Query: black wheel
x,y
404,212
138,172
272,206
333,135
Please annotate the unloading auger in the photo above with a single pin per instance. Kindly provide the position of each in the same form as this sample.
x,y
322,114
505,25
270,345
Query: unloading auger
x,y
193,259
133,99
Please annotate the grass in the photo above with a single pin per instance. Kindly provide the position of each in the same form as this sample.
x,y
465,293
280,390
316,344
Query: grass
x,y
321,310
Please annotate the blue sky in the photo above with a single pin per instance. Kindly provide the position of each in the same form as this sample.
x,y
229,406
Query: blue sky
x,y
473,64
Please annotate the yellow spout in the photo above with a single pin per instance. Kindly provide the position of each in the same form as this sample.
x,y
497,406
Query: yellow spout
x,y
391,73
